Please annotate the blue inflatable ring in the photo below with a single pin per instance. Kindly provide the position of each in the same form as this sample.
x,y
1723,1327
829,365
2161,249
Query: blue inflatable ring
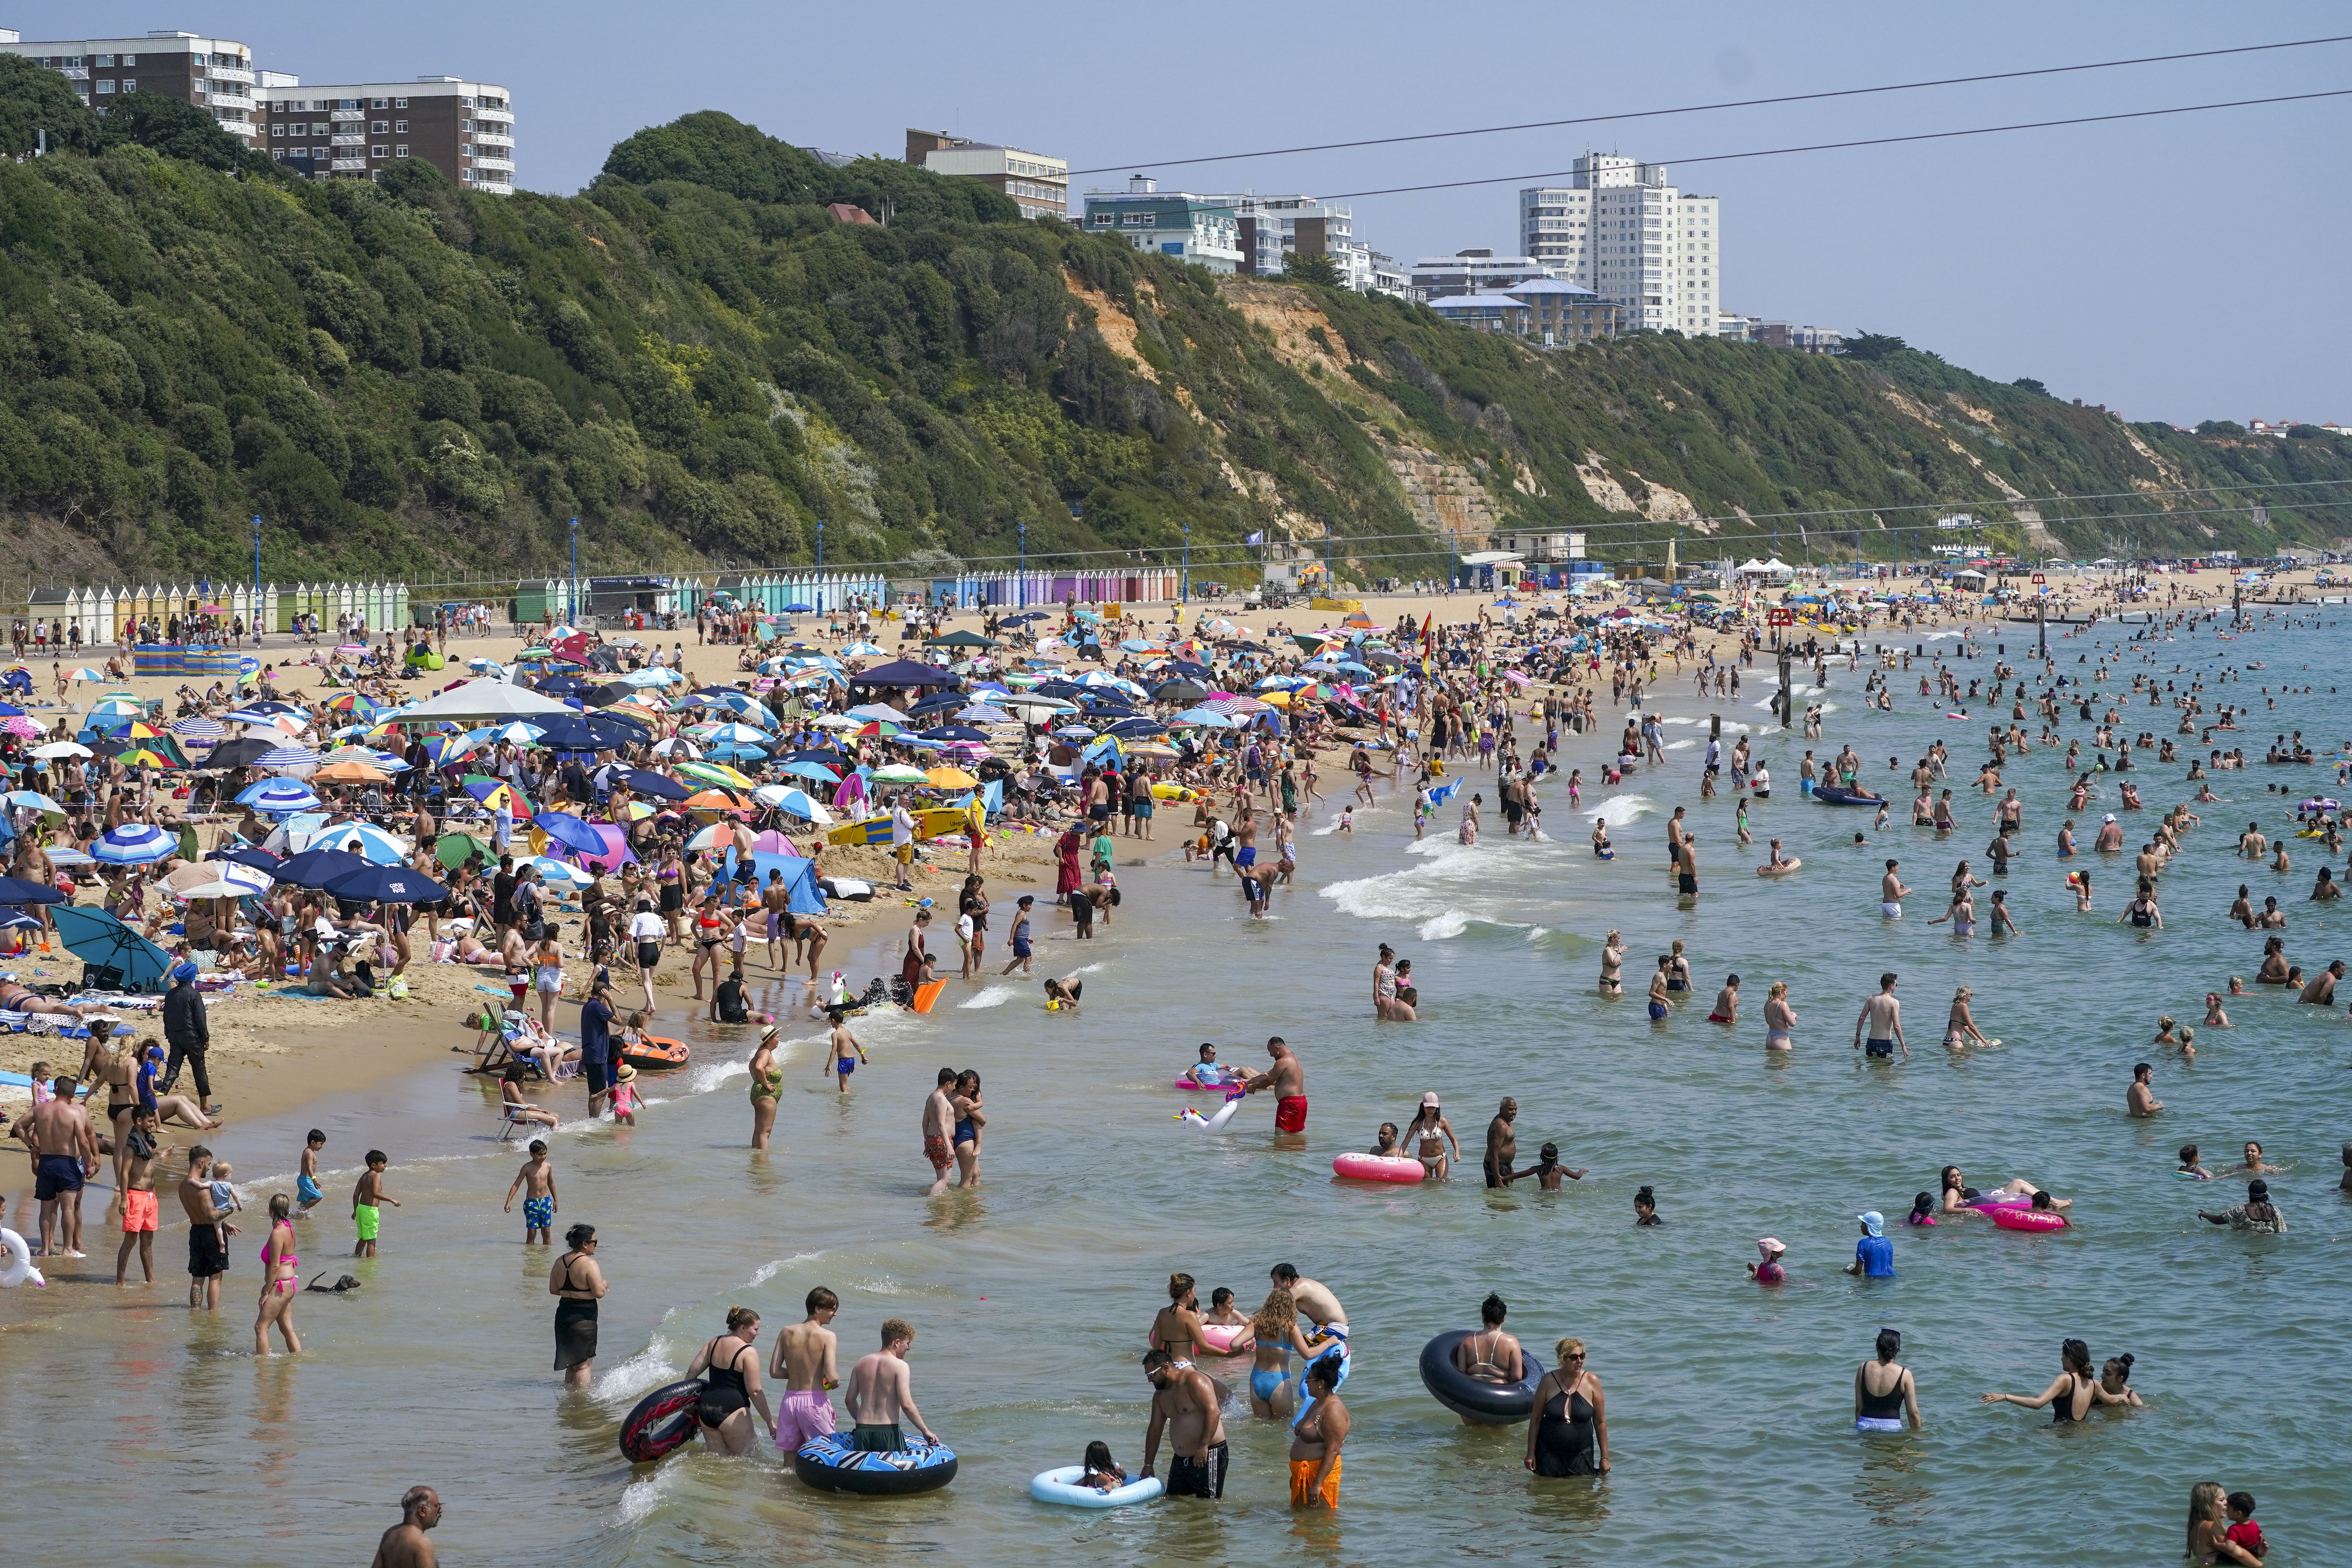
x,y
831,1465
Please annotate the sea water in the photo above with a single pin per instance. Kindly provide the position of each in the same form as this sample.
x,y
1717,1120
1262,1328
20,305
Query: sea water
x,y
131,1431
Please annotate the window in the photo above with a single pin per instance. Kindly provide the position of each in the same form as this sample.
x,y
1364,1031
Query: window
x,y
379,152
465,174
401,151
130,84
130,60
104,61
379,127
278,153
192,59
107,86
400,127
316,129
277,131
400,104
465,125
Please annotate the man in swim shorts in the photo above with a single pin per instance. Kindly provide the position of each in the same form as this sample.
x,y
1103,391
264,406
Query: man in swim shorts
x,y
1502,1143
804,1360
1287,1079
881,1391
1184,1402
938,1117
1884,1017
208,1232
1890,891
65,1152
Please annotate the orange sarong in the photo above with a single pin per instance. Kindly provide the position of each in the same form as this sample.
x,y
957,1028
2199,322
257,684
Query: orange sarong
x,y
1302,1482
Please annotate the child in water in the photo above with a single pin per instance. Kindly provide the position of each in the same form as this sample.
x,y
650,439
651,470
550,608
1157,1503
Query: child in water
x,y
1548,1169
306,1181
1221,1309
1923,1210
625,1098
2189,1167
1102,1472
1768,1272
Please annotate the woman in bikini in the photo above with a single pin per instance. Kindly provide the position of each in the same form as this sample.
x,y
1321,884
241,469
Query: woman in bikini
x,y
1433,1132
1275,1330
767,1083
1177,1327
279,1284
2071,1394
1316,1439
729,1368
1612,965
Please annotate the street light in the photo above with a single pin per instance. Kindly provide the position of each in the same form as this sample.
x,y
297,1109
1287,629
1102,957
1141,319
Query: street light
x,y
1025,565
1184,584
820,566
1451,566
256,582
575,571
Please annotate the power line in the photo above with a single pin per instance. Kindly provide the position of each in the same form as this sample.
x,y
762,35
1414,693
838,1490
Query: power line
x,y
1864,141
1706,108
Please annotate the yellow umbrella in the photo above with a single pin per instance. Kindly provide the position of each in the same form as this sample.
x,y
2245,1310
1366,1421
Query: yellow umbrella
x,y
1275,699
950,778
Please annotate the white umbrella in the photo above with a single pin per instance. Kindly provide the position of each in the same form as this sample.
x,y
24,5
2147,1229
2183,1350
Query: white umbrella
x,y
57,749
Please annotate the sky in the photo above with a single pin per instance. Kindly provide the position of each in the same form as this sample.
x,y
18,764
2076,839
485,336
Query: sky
x,y
2174,269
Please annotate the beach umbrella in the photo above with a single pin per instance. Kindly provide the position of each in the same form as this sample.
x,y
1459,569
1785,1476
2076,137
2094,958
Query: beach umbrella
x,y
198,728
218,880
495,794
949,778
863,650
386,885
351,770
281,797
633,811
57,749
147,757
251,855
317,867
713,800
563,871
716,773
677,746
19,890
794,802
444,749
899,774
135,844
85,673
811,769
953,732
718,836
659,785
286,757
881,729
33,800
1179,692
1200,717
22,727
365,839
102,942
245,752
799,609
570,831
733,735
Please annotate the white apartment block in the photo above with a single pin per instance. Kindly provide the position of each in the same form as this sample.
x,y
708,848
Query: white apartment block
x,y
1191,228
213,74
1477,270
1621,230
1038,182
1274,229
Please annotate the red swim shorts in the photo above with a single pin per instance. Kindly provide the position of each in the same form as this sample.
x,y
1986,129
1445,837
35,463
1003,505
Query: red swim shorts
x,y
138,1212
1290,1113
936,1150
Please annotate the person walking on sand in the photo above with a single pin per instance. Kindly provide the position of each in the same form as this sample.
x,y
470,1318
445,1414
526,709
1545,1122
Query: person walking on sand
x,y
1287,1079
1882,1016
804,1362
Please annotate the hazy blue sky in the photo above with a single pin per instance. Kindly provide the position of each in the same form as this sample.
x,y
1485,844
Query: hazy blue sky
x,y
2178,269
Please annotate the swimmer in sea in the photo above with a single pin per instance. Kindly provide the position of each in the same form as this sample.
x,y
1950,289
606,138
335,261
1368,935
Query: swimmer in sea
x,y
1883,1014
1726,1004
1548,1169
2140,1099
1432,1132
1062,994
1891,891
1779,1018
1659,1002
1613,961
1960,1029
1275,1333
1960,1198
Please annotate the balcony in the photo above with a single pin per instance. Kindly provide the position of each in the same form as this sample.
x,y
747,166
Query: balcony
x,y
241,128
504,116
349,115
348,140
224,73
349,165
484,139
230,101
504,164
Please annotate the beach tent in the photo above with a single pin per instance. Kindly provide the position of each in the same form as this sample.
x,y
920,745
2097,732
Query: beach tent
x,y
479,699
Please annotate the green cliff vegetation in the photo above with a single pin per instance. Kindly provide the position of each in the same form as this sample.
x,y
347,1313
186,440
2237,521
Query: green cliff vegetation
x,y
702,363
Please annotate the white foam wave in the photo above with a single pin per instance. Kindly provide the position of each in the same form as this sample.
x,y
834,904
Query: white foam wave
x,y
767,1271
641,1497
1677,718
993,997
1618,810
628,1382
1437,928
1680,745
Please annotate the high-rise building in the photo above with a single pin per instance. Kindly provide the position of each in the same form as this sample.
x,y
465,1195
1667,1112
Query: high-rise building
x,y
356,131
1191,228
1621,230
1039,184
213,74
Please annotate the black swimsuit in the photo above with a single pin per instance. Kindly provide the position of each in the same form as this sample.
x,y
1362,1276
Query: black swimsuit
x,y
1565,1438
723,1389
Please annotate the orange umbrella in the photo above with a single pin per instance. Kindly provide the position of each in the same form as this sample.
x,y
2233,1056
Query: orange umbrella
x,y
713,800
350,771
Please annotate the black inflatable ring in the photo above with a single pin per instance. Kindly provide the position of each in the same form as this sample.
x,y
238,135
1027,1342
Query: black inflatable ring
x,y
1489,1404
663,1422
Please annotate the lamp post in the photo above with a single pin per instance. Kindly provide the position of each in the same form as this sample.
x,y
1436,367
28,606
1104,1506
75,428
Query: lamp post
x,y
575,530
1450,565
1025,565
256,580
1184,583
820,566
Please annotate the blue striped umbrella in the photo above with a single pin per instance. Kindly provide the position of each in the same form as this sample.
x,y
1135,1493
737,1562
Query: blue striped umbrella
x,y
278,797
286,757
135,844
199,729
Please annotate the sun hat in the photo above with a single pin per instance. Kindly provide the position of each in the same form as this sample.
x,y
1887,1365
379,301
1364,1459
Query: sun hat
x,y
1874,1222
1768,1246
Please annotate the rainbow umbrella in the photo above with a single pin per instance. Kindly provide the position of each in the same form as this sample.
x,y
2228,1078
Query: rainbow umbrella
x,y
497,793
148,757
716,773
634,811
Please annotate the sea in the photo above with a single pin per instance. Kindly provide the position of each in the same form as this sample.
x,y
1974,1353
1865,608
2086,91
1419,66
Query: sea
x,y
132,1431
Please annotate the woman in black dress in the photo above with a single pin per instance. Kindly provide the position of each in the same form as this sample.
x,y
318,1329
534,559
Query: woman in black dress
x,y
579,1285
1569,1436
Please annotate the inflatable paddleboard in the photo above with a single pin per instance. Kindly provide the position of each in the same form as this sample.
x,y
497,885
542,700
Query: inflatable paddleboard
x,y
928,994
935,823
